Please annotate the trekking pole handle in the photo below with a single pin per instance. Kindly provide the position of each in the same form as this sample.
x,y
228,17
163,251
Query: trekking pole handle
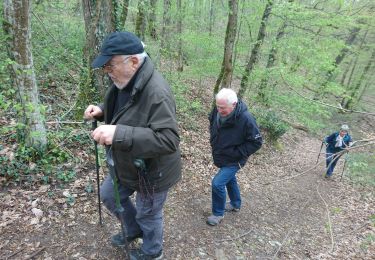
x,y
94,124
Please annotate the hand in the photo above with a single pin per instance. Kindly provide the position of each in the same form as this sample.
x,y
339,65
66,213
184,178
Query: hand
x,y
91,112
104,134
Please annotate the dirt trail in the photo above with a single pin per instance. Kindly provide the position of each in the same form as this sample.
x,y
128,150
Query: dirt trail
x,y
287,219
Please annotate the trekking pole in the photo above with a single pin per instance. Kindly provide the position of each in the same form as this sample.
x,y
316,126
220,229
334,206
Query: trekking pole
x,y
343,168
319,152
119,208
94,125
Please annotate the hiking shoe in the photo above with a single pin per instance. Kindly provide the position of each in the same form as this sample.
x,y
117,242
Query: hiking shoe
x,y
229,207
214,220
118,240
138,254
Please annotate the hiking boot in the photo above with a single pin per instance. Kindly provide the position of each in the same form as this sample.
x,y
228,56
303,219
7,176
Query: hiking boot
x,y
214,220
138,254
229,208
118,240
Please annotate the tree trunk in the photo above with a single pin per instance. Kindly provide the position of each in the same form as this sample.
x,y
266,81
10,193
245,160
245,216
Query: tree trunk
x,y
330,73
355,63
255,51
17,25
140,20
225,76
152,20
181,10
262,90
164,43
352,99
124,12
99,21
212,17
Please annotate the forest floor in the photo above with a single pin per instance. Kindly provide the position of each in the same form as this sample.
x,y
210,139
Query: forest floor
x,y
289,210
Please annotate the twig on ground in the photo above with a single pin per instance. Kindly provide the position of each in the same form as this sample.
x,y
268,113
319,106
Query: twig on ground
x,y
294,176
12,254
235,238
329,218
35,253
290,230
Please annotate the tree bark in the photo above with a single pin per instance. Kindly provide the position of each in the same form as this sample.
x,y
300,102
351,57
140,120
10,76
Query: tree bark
x,y
225,76
181,10
99,22
124,12
255,51
262,96
140,23
212,17
17,25
164,43
152,20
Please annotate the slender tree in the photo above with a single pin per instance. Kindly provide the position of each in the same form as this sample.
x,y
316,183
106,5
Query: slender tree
x,y
100,20
180,8
354,64
225,76
354,93
152,20
124,12
164,43
140,23
262,89
212,17
339,58
17,26
256,48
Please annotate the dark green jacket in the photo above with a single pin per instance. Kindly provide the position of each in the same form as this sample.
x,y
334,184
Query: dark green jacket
x,y
146,129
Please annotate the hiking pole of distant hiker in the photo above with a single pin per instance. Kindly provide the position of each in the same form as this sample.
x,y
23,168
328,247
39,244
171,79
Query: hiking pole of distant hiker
x,y
320,150
119,207
94,125
343,168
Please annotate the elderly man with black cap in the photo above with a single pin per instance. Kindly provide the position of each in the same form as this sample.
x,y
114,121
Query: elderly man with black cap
x,y
140,128
335,143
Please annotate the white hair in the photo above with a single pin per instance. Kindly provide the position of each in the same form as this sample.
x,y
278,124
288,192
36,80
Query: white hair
x,y
227,94
140,56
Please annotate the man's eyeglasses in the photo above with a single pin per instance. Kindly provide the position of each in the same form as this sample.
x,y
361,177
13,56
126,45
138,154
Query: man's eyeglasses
x,y
110,66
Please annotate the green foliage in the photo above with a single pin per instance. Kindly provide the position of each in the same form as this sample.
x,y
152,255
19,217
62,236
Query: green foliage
x,y
369,239
271,123
361,168
25,164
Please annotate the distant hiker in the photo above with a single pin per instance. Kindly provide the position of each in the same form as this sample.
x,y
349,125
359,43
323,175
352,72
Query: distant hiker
x,y
141,138
335,143
234,136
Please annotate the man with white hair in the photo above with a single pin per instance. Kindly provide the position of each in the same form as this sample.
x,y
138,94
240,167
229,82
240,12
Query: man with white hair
x,y
234,136
142,142
335,143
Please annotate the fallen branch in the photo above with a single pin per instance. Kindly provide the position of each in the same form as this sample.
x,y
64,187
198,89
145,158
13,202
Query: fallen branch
x,y
12,254
235,238
329,219
290,231
35,253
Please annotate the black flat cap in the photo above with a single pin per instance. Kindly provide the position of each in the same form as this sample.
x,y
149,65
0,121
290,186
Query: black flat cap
x,y
118,43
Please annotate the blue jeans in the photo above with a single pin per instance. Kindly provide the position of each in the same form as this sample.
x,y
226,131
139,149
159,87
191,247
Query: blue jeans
x,y
225,178
145,216
331,157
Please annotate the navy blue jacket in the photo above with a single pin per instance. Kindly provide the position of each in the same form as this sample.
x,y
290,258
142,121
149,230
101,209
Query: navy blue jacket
x,y
331,142
234,141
